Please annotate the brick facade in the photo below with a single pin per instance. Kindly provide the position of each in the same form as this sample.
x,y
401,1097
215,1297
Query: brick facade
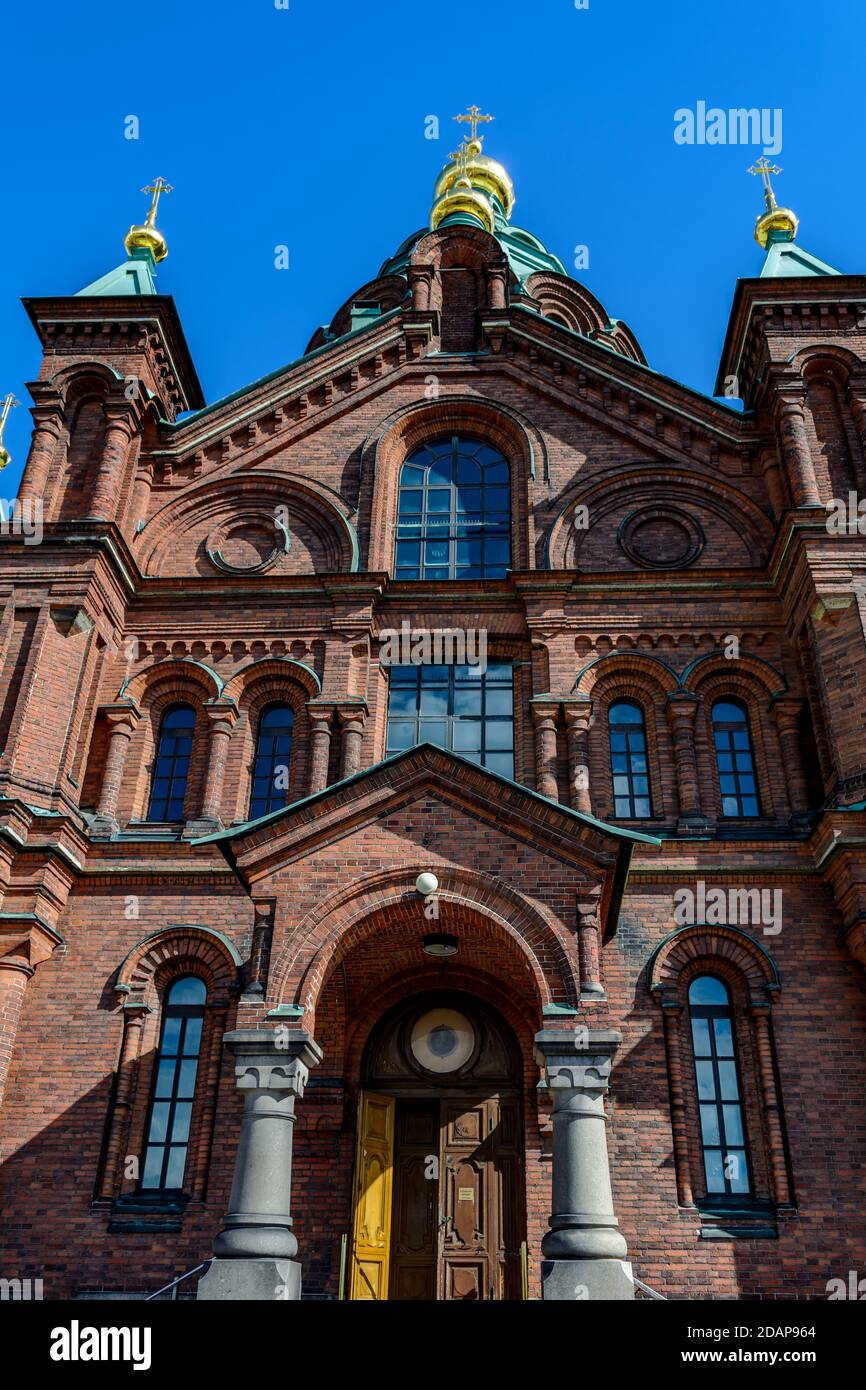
x,y
162,578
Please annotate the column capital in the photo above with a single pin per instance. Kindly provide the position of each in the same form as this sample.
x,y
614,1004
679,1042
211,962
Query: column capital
x,y
544,707
682,704
351,711
122,716
579,1060
219,713
321,710
786,709
272,1059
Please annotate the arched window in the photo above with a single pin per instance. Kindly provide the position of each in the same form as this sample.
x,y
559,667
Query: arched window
x,y
723,1137
628,761
734,759
271,766
454,512
171,769
168,1123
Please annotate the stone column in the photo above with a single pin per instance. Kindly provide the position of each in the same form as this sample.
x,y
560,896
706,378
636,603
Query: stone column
x,y
682,707
544,714
588,943
786,712
122,719
254,1252
353,720
497,279
577,720
420,278
47,428
320,717
109,476
135,1013
221,715
584,1249
794,443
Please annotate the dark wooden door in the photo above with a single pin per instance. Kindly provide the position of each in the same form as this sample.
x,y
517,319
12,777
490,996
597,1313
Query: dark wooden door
x,y
480,1229
416,1193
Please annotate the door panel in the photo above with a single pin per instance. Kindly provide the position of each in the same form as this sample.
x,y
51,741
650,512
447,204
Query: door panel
x,y
373,1181
481,1227
416,1200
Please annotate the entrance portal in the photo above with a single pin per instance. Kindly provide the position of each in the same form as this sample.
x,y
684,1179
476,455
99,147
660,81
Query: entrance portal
x,y
439,1209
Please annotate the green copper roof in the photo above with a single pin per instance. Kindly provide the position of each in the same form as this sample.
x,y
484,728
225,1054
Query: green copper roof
x,y
134,277
786,258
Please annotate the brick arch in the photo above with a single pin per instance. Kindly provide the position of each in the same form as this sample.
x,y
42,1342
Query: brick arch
x,y
759,674
750,681
183,670
384,453
175,681
177,950
471,247
273,680
648,681
388,900
556,294
701,949
644,485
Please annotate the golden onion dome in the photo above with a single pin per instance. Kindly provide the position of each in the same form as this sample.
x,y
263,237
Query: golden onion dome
x,y
471,183
146,235
483,173
776,220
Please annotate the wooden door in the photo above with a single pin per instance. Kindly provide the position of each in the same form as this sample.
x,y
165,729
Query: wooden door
x,y
416,1201
480,1200
373,1183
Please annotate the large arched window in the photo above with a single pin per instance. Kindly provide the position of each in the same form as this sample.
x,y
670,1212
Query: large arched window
x,y
734,759
723,1137
628,761
271,767
173,1091
171,768
454,512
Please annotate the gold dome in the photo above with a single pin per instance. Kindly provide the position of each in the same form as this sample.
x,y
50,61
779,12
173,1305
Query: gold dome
x,y
482,172
146,235
776,220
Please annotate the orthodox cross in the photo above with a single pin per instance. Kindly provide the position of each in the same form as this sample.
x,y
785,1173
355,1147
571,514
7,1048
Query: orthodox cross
x,y
8,404
158,186
474,118
765,169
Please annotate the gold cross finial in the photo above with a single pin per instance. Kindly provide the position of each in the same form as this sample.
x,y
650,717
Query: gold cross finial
x,y
155,189
765,169
461,159
8,404
474,118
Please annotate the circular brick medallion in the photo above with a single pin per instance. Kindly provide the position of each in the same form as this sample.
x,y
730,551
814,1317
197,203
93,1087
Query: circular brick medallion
x,y
662,538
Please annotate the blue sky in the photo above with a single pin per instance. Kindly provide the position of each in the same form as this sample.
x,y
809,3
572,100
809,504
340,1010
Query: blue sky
x,y
305,127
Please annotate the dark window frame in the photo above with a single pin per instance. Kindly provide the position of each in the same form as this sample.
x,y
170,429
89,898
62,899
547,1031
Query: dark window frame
x,y
455,682
630,730
725,730
168,744
184,1013
709,1013
265,762
488,526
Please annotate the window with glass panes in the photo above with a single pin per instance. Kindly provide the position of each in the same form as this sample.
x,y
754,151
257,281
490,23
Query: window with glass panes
x,y
723,1137
628,761
457,707
454,512
271,767
168,1124
171,768
734,759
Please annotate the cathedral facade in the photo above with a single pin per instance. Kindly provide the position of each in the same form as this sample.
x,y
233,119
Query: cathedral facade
x,y
433,792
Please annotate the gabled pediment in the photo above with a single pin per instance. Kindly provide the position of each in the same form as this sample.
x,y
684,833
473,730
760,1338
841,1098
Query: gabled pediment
x,y
599,852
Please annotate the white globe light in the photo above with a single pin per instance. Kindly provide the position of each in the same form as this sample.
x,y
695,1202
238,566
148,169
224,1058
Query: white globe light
x,y
426,883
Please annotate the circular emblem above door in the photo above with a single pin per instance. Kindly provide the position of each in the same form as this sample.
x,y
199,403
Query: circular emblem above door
x,y
442,1040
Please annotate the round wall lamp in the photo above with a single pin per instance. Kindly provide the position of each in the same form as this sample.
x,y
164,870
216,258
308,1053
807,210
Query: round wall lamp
x,y
440,944
426,883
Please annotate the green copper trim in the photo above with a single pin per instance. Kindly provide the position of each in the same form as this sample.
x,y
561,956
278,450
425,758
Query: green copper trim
x,y
135,277
786,259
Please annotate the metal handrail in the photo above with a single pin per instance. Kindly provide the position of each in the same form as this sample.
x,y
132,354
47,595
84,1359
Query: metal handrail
x,y
205,1264
663,1298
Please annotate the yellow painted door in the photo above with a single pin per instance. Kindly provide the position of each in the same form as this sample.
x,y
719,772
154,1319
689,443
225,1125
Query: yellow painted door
x,y
374,1170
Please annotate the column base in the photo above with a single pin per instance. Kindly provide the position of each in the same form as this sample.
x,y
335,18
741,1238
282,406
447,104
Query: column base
x,y
570,1281
265,1281
202,825
103,827
694,825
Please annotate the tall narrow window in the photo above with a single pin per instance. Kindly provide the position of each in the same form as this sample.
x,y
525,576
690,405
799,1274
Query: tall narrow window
x,y
723,1137
168,1123
171,769
458,708
454,512
270,789
628,761
734,759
